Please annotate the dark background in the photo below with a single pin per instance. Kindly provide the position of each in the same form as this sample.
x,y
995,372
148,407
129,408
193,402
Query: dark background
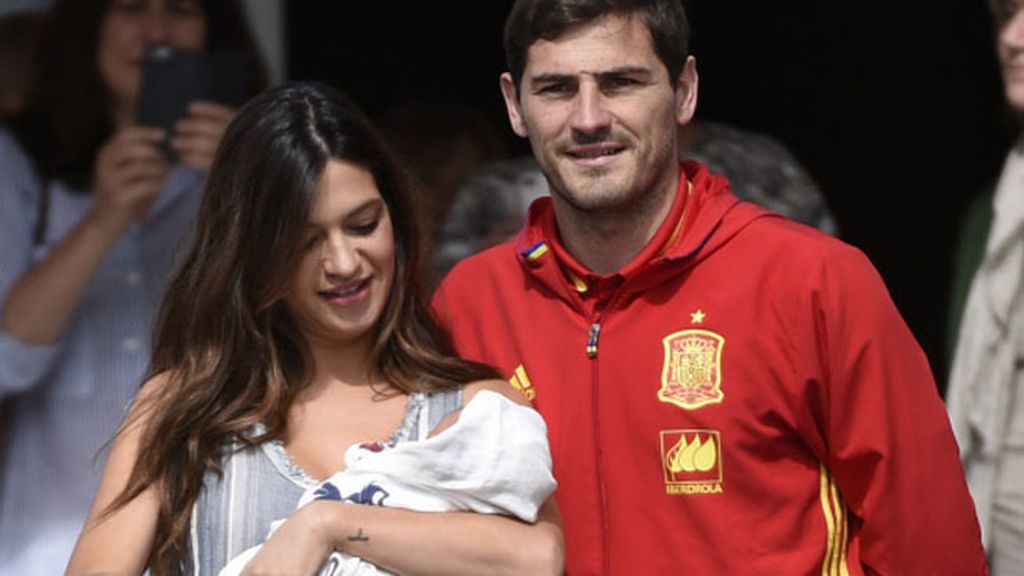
x,y
894,108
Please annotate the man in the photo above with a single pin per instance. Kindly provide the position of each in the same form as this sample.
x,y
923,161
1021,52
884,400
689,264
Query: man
x,y
986,384
727,392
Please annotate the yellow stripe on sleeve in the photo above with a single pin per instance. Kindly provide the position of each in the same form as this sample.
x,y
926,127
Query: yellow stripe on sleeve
x,y
834,511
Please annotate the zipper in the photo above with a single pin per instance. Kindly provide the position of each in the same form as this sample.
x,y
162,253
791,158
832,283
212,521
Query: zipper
x,y
592,340
595,332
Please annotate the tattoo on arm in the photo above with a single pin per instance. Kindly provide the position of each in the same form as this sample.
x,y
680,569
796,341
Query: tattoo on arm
x,y
359,537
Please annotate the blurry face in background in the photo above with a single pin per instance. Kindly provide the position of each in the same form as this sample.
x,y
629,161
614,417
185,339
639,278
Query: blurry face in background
x,y
130,26
1010,48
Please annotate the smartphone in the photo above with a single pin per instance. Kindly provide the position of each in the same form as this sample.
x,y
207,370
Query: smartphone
x,y
173,78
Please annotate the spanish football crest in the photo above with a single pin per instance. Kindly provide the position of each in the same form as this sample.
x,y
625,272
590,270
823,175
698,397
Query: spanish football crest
x,y
692,373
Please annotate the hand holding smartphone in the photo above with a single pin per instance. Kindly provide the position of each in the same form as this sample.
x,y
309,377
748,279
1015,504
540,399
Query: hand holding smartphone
x,y
172,79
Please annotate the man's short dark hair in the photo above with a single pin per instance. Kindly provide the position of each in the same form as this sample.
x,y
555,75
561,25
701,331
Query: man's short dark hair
x,y
532,20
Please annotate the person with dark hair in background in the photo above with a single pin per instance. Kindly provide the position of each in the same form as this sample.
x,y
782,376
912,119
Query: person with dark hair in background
x,y
489,207
726,391
986,384
760,169
91,210
18,34
295,328
440,142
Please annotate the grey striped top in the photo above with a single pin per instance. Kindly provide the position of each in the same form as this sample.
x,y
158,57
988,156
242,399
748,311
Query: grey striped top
x,y
263,484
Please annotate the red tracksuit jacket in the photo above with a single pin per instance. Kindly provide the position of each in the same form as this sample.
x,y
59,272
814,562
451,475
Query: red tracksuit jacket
x,y
742,398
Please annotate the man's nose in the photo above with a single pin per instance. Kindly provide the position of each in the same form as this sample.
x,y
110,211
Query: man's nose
x,y
590,113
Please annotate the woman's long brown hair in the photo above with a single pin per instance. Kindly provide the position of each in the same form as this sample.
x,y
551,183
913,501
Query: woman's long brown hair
x,y
232,354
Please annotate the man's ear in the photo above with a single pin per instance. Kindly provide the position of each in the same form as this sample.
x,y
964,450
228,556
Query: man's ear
x,y
515,111
686,92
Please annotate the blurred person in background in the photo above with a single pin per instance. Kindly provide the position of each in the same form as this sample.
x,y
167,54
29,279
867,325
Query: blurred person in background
x,y
91,213
986,384
440,142
489,207
760,169
19,32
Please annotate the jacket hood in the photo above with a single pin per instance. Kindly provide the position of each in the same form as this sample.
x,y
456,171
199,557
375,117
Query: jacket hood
x,y
704,216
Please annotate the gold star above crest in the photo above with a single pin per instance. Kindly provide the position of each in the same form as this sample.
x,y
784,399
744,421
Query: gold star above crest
x,y
697,317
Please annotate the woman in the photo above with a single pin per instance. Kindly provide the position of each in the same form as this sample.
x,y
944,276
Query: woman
x,y
91,211
295,328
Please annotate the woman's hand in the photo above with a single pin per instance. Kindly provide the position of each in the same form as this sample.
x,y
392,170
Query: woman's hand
x,y
130,171
298,547
197,136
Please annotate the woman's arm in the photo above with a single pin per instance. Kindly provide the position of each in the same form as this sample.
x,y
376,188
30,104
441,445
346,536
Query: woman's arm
x,y
407,542
415,543
130,173
119,543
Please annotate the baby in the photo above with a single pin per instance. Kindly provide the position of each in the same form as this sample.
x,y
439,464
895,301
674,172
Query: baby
x,y
494,459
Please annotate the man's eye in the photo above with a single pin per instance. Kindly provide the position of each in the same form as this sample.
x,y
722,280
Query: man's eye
x,y
617,83
555,88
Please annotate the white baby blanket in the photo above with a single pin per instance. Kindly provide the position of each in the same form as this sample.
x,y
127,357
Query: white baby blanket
x,y
495,460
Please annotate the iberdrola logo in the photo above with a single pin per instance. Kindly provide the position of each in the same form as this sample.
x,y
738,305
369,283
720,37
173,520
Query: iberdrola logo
x,y
692,462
